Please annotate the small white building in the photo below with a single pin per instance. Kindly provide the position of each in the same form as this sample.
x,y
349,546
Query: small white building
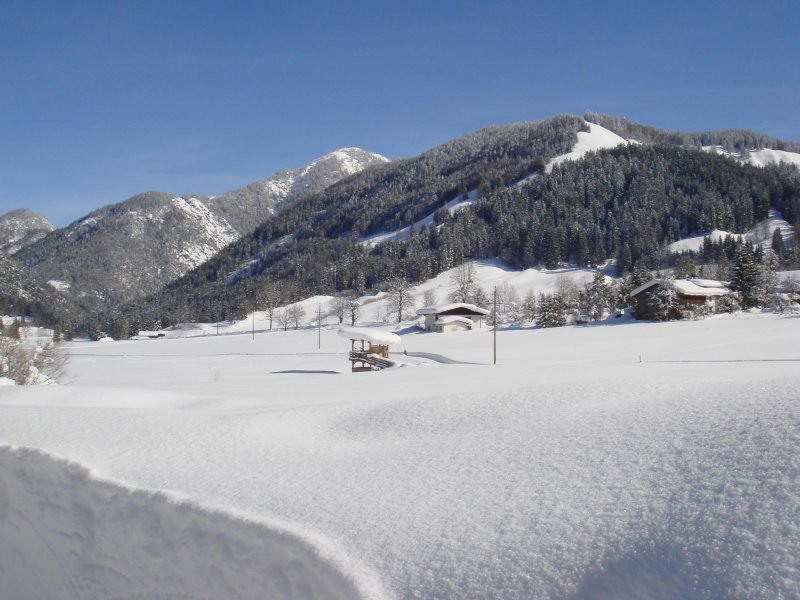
x,y
458,316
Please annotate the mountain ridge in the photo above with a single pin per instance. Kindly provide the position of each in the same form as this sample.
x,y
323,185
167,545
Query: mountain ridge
x,y
514,188
132,248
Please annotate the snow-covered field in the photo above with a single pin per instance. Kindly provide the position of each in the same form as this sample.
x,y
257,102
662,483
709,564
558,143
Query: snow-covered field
x,y
618,460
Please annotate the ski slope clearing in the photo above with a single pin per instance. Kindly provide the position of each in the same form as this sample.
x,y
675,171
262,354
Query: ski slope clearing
x,y
452,206
630,460
762,157
597,138
760,234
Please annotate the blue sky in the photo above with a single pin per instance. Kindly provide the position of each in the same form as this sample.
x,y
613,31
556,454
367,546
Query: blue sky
x,y
103,100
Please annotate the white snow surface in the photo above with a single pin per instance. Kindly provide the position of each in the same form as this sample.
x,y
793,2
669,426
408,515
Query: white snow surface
x,y
760,234
597,138
629,460
760,158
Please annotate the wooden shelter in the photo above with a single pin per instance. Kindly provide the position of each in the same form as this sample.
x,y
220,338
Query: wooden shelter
x,y
369,348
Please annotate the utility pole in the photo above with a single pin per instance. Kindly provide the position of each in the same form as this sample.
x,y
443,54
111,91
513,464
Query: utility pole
x,y
255,308
319,326
494,332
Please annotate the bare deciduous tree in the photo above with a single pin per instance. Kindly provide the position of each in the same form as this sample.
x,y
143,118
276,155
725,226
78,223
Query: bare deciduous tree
x,y
354,307
340,306
284,320
270,299
463,283
30,365
401,299
296,314
430,297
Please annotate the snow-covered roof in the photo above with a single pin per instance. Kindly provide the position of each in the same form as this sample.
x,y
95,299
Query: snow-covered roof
x,y
376,336
689,287
709,283
453,319
436,310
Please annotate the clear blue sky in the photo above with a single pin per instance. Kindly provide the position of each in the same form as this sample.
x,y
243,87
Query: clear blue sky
x,y
102,100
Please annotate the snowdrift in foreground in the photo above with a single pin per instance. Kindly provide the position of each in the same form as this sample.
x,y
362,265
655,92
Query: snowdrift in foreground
x,y
638,460
67,535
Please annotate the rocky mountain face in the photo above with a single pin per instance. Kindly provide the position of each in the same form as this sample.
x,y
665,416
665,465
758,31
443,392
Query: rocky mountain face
x,y
245,208
21,293
134,248
131,248
20,228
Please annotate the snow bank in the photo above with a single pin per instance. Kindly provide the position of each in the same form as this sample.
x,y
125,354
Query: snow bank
x,y
67,535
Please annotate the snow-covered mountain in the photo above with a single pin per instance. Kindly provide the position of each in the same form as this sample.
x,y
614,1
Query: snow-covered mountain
x,y
244,208
136,246
126,250
22,227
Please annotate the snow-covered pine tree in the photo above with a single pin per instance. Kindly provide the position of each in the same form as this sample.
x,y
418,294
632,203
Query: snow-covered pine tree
x,y
746,277
597,296
551,311
661,300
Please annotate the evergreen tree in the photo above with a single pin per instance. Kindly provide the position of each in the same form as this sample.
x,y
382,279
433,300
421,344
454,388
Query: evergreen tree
x,y
597,296
746,277
551,311
529,307
777,242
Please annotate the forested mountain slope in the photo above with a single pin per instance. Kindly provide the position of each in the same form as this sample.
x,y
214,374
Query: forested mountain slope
x,y
625,203
23,294
314,238
732,140
124,250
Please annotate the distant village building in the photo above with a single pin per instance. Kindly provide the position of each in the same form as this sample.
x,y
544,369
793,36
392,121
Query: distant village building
x,y
690,294
151,335
458,316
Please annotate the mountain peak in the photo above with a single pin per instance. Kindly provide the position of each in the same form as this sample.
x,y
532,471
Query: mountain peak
x,y
244,208
22,227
